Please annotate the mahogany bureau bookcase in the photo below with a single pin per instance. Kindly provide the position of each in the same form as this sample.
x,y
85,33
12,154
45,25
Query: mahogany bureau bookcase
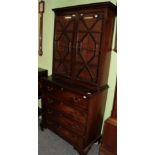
x,y
74,96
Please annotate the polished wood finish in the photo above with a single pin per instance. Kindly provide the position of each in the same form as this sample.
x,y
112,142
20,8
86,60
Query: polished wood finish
x,y
74,113
74,96
82,44
109,140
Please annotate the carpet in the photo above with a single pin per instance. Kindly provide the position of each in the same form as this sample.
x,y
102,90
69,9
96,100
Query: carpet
x,y
51,144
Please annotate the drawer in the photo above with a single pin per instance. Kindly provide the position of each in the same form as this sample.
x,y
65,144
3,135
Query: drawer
x,y
68,123
67,96
52,90
69,112
72,101
49,100
75,99
66,134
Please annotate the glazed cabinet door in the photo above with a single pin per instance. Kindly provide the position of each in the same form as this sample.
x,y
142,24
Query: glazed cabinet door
x,y
88,42
63,44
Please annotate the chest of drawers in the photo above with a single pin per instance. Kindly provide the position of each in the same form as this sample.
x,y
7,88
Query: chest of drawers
x,y
73,113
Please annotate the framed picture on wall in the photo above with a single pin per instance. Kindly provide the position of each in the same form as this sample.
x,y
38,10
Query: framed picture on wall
x,y
41,8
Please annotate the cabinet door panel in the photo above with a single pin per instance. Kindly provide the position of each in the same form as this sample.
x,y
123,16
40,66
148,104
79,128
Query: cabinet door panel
x,y
88,51
63,42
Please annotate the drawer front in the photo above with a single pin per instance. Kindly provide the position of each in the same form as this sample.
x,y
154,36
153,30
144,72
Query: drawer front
x,y
75,99
68,97
52,90
50,101
66,134
68,123
67,111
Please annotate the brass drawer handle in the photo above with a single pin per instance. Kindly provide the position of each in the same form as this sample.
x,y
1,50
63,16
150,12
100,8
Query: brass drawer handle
x,y
84,97
89,93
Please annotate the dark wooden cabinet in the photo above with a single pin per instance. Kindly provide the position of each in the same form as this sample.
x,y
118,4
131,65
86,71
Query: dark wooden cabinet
x,y
82,44
74,96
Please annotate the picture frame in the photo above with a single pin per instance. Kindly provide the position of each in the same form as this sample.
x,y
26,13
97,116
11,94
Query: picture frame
x,y
41,6
41,11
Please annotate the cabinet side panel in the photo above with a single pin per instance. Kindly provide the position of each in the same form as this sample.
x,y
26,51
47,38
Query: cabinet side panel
x,y
95,116
106,46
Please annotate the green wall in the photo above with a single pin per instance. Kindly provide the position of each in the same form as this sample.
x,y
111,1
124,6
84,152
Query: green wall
x,y
45,61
